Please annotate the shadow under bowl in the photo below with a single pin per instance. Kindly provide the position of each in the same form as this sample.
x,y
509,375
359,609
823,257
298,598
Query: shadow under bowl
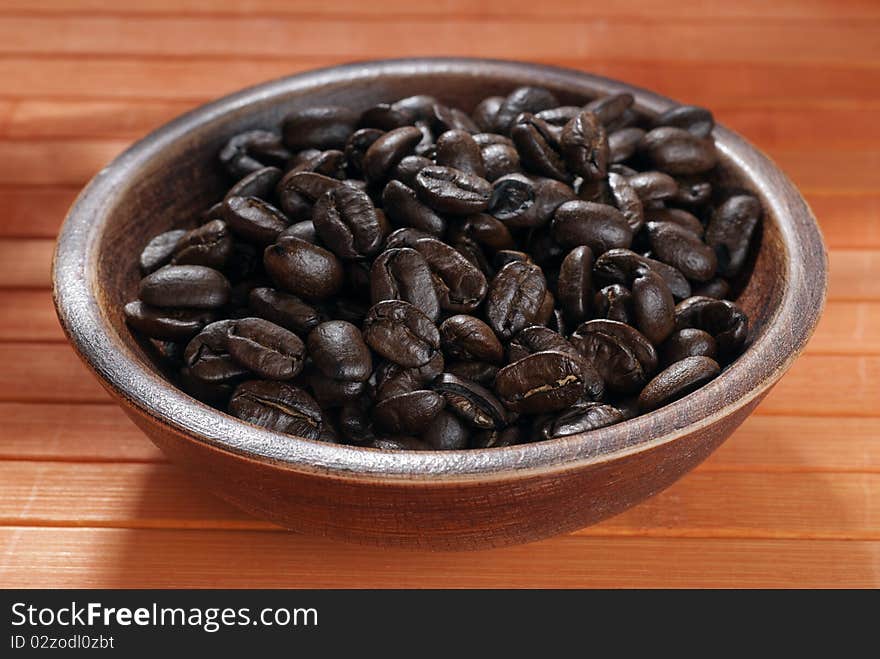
x,y
441,500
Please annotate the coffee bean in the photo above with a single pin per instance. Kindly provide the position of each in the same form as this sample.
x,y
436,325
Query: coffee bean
x,y
348,223
209,245
585,146
614,302
403,274
499,438
334,393
515,297
620,265
304,230
687,342
411,412
472,402
692,192
696,120
539,147
485,115
677,216
678,152
207,356
160,250
678,380
730,231
574,287
167,324
393,379
583,417
540,383
401,333
599,226
185,287
626,200
321,127
448,190
480,372
303,269
277,406
404,208
254,220
357,145
405,237
460,285
683,250
469,338
447,432
653,306
610,108
338,350
408,168
252,150
266,349
523,99
721,318
622,144
260,183
653,186
623,356
718,288
458,150
283,309
499,159
445,118
484,230
388,150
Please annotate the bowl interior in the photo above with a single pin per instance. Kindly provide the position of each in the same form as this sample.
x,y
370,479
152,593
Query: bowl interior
x,y
169,178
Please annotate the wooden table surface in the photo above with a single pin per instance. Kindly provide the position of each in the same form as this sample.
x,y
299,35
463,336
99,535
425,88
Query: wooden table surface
x,y
792,499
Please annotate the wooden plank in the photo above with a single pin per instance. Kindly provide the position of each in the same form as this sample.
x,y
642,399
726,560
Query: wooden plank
x,y
846,220
35,212
30,316
89,433
197,79
792,10
50,372
703,504
59,558
852,274
26,263
744,41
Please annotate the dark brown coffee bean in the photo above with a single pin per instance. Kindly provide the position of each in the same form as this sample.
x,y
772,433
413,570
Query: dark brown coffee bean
x,y
338,350
687,342
730,231
460,285
405,237
653,306
614,302
215,394
458,150
610,108
265,348
678,380
403,274
303,269
676,216
540,383
696,120
473,403
448,190
408,168
447,433
621,354
332,393
524,99
500,160
401,333
320,127
678,152
575,284
626,200
721,318
585,146
513,197
653,186
277,406
619,266
283,309
480,372
539,147
467,337
252,150
505,256
209,245
499,438
304,230
583,417
167,324
718,288
445,118
308,186
514,298
680,248
254,220
393,379
622,144
386,116
599,226
207,356
185,287
160,250
692,192
260,183
484,230
411,412
356,147
420,106
388,150
485,115
559,116
348,223
404,208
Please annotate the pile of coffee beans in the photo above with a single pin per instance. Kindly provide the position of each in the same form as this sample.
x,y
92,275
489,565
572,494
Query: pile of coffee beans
x,y
413,276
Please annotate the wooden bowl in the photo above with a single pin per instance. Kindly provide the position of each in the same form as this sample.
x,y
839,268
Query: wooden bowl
x,y
440,500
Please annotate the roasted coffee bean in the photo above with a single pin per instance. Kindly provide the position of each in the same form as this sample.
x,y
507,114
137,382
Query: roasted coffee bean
x,y
614,302
499,160
539,147
420,106
166,324
514,298
408,168
215,394
356,147
470,401
678,152
582,417
334,393
388,150
207,356
680,248
540,383
160,250
480,372
619,266
509,436
718,288
460,285
678,380
676,216
254,220
265,348
696,120
445,118
621,354
185,287
321,127
505,256
599,226
349,224
485,115
653,306
303,269
404,208
485,230
307,186
575,284
692,192
559,116
524,99
393,379
283,309
277,406
467,337
721,318
260,183
513,197
448,190
330,163
622,144
401,333
653,186
253,150
411,412
386,116
403,274
338,350
458,150
585,147
209,245
446,432
730,231
405,237
610,108
626,200
304,230
687,342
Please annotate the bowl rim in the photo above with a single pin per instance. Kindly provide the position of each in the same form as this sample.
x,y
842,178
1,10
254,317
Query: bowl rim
x,y
74,278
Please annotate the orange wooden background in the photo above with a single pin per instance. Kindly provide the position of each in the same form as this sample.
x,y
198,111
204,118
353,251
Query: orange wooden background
x,y
793,499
